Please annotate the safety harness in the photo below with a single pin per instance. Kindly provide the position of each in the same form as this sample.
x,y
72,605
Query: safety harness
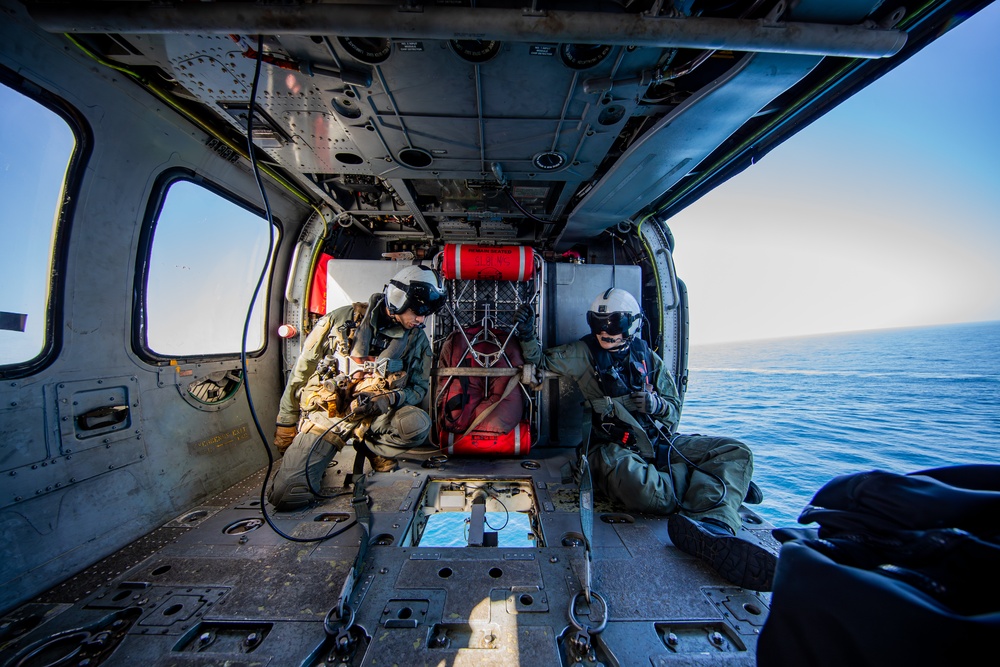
x,y
342,338
624,372
619,374
362,341
361,338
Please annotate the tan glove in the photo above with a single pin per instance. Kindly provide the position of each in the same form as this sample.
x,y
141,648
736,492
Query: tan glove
x,y
283,436
368,404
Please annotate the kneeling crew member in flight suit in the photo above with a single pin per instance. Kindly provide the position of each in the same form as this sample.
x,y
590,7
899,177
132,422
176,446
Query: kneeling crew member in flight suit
x,y
636,458
363,371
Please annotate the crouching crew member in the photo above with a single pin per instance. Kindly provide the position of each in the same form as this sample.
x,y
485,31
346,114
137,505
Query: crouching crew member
x,y
363,371
637,459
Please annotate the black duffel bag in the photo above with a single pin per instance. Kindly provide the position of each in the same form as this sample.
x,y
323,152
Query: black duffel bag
x,y
903,570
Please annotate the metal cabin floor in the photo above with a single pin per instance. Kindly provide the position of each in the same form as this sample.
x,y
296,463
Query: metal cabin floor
x,y
210,588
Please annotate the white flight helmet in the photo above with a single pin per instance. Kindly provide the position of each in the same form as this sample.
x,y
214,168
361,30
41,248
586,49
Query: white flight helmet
x,y
417,288
616,312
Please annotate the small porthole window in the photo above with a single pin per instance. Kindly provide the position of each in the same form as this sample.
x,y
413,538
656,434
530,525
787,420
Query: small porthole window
x,y
216,387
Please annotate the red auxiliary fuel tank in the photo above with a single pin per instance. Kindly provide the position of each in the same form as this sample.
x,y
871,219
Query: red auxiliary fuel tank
x,y
476,262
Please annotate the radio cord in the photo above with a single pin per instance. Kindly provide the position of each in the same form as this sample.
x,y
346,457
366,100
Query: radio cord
x,y
246,324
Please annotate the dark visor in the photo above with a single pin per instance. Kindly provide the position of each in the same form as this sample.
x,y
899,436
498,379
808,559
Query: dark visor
x,y
423,299
612,323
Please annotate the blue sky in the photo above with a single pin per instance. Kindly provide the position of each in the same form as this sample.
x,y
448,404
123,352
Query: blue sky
x,y
32,167
883,213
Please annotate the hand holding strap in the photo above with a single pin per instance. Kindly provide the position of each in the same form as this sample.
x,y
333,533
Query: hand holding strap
x,y
368,404
524,322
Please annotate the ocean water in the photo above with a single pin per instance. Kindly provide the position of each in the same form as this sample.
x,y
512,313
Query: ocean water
x,y
451,529
815,407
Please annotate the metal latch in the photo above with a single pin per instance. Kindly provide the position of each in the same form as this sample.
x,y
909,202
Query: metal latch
x,y
102,417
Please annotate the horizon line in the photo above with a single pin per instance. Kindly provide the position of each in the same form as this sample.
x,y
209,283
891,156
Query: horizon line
x,y
837,332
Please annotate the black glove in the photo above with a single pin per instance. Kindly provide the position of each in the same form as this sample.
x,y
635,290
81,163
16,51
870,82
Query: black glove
x,y
524,322
648,403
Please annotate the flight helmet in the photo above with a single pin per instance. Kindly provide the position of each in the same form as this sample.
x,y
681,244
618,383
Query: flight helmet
x,y
417,288
616,312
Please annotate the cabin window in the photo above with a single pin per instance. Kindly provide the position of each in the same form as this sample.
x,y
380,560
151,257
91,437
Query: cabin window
x,y
206,256
36,149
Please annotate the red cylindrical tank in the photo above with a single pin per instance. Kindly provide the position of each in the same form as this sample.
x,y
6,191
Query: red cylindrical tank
x,y
477,262
479,443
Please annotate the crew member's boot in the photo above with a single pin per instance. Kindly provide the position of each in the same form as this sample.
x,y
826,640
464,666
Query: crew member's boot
x,y
379,463
754,494
739,561
300,477
383,463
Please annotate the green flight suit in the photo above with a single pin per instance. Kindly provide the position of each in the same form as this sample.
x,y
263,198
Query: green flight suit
x,y
305,396
305,401
631,478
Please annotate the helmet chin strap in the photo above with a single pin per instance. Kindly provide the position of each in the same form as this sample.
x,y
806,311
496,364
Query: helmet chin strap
x,y
622,344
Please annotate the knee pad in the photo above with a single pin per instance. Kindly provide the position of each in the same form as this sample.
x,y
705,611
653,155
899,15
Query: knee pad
x,y
411,423
302,467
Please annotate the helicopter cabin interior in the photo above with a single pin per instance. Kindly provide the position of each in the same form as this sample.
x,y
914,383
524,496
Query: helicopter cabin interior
x,y
191,185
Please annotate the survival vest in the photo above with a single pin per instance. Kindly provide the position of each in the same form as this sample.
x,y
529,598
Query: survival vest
x,y
342,337
357,340
619,375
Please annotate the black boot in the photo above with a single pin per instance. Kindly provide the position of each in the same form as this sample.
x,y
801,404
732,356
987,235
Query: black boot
x,y
738,561
754,494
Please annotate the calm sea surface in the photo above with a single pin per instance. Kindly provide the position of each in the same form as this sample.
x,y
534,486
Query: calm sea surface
x,y
814,407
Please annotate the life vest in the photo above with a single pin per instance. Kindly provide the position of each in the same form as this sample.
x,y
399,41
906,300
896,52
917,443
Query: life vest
x,y
618,377
342,337
358,341
360,338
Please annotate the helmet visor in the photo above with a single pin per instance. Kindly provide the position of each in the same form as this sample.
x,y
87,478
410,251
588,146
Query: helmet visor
x,y
423,299
612,323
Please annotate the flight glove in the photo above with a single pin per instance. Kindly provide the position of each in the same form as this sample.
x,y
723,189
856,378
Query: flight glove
x,y
283,436
524,322
648,403
368,405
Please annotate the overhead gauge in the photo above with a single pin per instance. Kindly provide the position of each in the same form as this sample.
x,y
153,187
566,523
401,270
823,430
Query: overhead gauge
x,y
477,51
371,50
583,56
549,160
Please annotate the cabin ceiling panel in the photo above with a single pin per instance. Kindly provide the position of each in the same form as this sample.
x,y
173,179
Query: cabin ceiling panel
x,y
317,139
683,138
596,116
209,66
